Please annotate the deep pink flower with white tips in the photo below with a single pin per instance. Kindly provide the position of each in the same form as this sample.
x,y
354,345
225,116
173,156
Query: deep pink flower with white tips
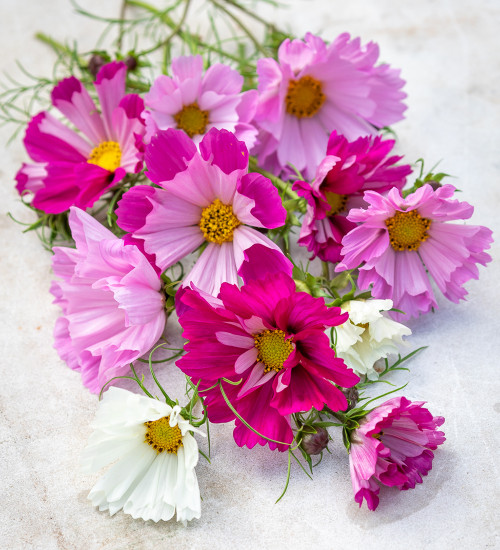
x,y
272,339
314,89
393,445
196,101
350,169
205,197
75,168
401,243
113,308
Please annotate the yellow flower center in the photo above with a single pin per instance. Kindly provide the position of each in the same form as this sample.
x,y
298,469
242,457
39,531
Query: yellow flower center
x,y
107,155
304,97
192,120
218,222
274,349
337,203
163,437
407,230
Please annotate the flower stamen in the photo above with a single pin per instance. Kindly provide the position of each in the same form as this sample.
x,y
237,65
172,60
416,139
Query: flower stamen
x,y
163,437
192,120
337,203
304,97
218,222
274,349
107,155
407,230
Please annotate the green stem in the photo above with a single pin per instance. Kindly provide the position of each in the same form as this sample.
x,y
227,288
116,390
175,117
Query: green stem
x,y
277,182
243,421
326,270
186,36
176,28
58,47
242,26
251,14
339,415
121,31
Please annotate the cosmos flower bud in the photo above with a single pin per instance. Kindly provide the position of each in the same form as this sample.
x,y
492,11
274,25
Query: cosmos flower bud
x,y
314,443
131,62
95,63
352,396
435,184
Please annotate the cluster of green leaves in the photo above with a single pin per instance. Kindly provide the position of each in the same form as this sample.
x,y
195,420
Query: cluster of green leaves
x,y
432,178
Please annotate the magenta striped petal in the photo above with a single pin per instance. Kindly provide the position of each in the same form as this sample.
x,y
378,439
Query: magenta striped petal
x,y
110,86
75,103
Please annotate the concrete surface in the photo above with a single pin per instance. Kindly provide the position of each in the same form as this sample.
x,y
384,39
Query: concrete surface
x,y
448,51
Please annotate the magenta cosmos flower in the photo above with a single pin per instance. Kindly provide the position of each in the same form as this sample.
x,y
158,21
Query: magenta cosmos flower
x,y
400,243
113,308
314,89
205,197
393,445
195,102
76,168
272,339
342,177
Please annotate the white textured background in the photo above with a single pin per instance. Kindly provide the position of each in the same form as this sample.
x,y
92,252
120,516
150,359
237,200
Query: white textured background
x,y
448,50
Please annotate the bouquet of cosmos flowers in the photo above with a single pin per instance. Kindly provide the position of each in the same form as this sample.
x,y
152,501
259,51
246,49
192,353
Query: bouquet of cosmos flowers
x,y
201,185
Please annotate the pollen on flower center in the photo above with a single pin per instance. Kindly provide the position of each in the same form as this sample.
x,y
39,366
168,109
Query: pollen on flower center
x,y
337,203
163,437
407,230
304,97
218,222
192,120
274,349
107,155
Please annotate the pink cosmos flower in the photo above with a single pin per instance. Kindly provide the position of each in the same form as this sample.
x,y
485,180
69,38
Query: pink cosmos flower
x,y
393,446
205,197
272,339
76,168
315,89
113,310
195,102
401,242
341,179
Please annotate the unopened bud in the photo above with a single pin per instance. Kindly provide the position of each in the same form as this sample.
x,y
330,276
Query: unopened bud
x,y
435,185
131,62
314,443
352,396
95,63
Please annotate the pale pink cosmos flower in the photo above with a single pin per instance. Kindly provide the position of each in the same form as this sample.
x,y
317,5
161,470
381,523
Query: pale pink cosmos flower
x,y
393,445
349,169
314,89
204,197
196,101
76,168
401,244
113,308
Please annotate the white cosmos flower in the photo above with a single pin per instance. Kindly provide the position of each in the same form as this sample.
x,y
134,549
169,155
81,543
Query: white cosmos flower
x,y
368,335
154,476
